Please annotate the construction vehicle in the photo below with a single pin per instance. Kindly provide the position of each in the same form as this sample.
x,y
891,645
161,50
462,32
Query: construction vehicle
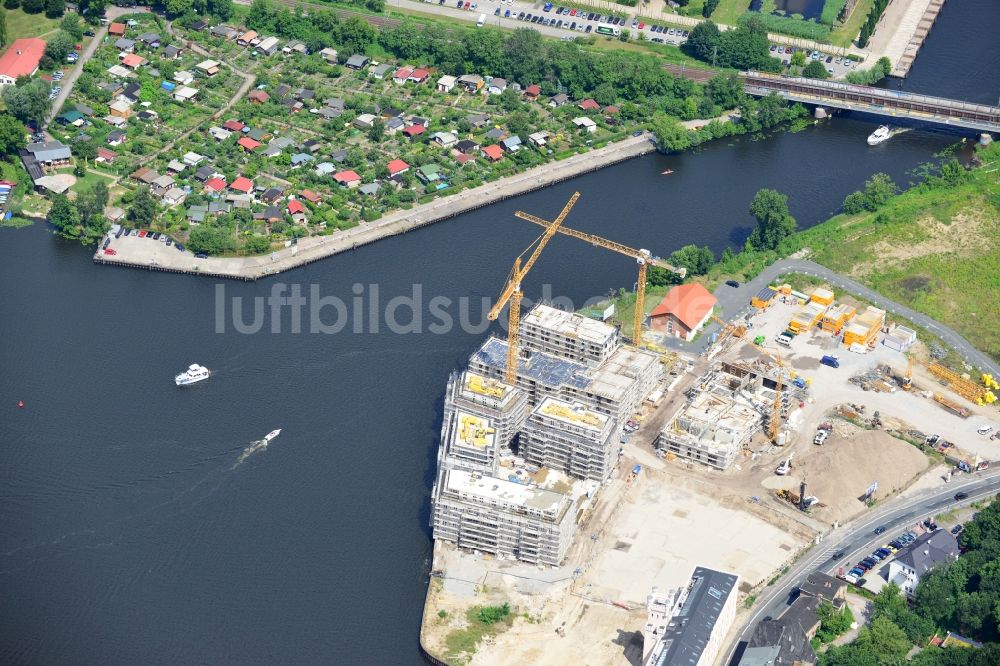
x,y
513,295
642,257
785,467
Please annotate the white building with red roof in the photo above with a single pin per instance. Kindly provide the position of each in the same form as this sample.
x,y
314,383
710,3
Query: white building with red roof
x,y
21,59
683,311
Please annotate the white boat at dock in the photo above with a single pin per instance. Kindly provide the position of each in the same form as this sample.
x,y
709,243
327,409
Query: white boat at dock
x,y
881,135
194,374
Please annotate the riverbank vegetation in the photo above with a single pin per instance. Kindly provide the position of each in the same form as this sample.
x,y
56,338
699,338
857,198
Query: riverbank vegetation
x,y
961,597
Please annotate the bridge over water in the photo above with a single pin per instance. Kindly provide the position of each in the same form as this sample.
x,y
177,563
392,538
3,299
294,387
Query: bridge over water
x,y
879,101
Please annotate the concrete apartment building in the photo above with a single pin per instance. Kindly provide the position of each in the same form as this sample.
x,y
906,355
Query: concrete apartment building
x,y
711,430
485,513
568,335
701,617
571,438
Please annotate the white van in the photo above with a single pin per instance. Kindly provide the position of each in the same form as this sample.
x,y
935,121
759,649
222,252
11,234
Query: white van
x,y
482,21
784,339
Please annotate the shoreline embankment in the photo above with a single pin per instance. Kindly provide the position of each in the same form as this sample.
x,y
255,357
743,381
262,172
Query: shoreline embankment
x,y
133,252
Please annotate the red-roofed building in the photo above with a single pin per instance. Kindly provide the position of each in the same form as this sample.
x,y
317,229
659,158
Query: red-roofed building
x,y
347,178
21,59
419,75
533,91
612,110
683,311
414,130
295,206
493,152
310,196
233,126
589,105
105,155
242,184
397,167
401,75
247,143
259,96
215,184
462,158
116,29
133,61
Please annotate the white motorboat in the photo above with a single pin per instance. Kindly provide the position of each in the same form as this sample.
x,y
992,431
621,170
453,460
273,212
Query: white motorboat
x,y
881,135
271,435
195,373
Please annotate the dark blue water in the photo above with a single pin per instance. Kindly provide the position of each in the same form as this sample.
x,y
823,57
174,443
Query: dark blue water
x,y
126,533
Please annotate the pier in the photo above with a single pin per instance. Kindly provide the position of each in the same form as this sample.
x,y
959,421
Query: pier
x,y
901,67
146,254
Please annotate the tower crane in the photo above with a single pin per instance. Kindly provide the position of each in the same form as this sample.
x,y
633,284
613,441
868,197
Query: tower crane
x,y
512,292
642,257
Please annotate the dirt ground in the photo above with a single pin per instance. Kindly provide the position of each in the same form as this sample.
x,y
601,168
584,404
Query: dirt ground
x,y
840,471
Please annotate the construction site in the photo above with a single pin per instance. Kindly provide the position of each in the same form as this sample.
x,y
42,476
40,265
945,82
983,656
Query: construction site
x,y
577,472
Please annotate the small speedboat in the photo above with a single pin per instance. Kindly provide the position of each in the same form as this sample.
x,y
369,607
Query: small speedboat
x,y
271,435
667,172
195,373
881,135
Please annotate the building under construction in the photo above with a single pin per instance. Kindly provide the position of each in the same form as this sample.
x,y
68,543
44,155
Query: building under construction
x,y
567,335
570,438
727,407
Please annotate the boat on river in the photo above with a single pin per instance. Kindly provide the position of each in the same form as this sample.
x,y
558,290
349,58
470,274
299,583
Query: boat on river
x,y
881,135
194,374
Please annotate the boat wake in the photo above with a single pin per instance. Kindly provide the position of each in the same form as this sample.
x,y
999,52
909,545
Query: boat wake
x,y
254,447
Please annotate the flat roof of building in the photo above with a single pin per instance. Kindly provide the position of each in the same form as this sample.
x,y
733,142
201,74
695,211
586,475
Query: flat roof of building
x,y
505,492
570,324
688,632
576,415
619,372
549,370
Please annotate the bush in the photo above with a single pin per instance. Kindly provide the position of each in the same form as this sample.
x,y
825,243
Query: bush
x,y
710,6
791,26
831,11
815,70
492,614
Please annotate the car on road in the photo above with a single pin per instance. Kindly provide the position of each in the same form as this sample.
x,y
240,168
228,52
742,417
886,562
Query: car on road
x,y
547,7
880,529
831,361
961,496
856,571
201,255
984,429
820,438
732,283
957,529
88,33
839,555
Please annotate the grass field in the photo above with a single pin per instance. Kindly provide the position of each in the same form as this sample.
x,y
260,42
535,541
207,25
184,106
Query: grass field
x,y
729,11
845,34
20,24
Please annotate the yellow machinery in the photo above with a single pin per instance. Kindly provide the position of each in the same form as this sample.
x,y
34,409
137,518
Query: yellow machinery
x,y
642,257
474,432
967,389
482,386
581,415
512,292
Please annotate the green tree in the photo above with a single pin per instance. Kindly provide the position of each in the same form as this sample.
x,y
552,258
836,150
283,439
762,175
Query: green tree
x,y
72,25
493,614
815,70
709,7
55,8
703,41
3,29
697,260
59,46
90,203
725,90
221,8
28,100
376,132
774,222
878,190
211,240
355,34
799,58
671,136
833,622
143,209
63,214
854,203
257,244
11,4
177,8
33,6
12,136
85,150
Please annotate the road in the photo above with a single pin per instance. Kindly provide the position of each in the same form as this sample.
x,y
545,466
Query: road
x,y
735,303
857,538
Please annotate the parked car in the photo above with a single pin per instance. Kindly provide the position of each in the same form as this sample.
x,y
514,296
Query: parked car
x,y
201,255
732,283
957,529
831,361
112,251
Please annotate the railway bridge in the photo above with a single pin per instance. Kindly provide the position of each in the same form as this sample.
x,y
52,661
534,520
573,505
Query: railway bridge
x,y
879,101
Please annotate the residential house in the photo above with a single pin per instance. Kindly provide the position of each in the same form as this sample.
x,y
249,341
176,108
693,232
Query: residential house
x,y
208,67
176,166
325,168
268,46
131,92
336,103
390,112
683,311
119,72
125,45
926,552
133,61
248,38
612,110
197,214
204,173
339,155
511,144
272,194
471,83
400,76
242,184
183,77
466,147
174,196
225,32
329,113
496,86
172,52
586,124
305,94
215,184
258,96
532,92
397,167
235,200
72,117
825,587
417,120
370,189
478,120
781,642
198,25
358,61
297,211
558,100
146,115
161,184
282,90
150,39
539,138
21,59
379,71
413,131
233,125
116,30
257,133
114,214
311,197
185,94
50,153
496,134
347,179
270,215
429,173
219,134
364,121
295,46
446,83
248,144
394,125
217,208
105,156
330,55
445,139
120,108
419,75
493,152
299,159
116,138
589,105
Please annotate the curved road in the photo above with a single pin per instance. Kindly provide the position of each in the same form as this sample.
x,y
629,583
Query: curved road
x,y
857,538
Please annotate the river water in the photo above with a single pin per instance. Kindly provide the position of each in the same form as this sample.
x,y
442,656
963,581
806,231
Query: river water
x,y
129,533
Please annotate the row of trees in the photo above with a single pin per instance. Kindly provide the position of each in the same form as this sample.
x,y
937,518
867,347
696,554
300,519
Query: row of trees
x,y
746,47
192,9
52,8
871,21
869,77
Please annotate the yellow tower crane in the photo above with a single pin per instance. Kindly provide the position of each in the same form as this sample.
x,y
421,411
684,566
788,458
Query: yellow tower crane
x,y
512,292
642,257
